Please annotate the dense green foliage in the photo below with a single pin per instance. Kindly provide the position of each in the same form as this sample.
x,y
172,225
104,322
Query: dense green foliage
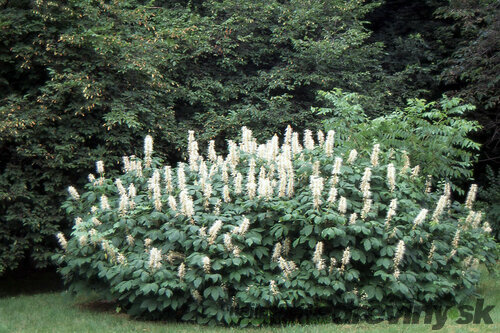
x,y
321,227
435,134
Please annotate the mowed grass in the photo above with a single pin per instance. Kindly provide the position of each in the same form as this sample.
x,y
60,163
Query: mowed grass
x,y
57,311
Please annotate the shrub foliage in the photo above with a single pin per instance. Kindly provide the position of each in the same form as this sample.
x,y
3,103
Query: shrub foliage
x,y
272,232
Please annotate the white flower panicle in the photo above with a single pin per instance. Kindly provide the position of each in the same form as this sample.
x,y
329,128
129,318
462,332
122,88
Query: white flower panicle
x,y
138,169
415,171
273,288
167,175
181,176
367,206
247,142
62,240
364,187
130,240
329,143
276,252
283,182
265,189
400,251
439,208
487,227
477,219
196,296
121,259
308,139
251,186
471,196
346,257
290,187
353,154
126,164
316,185
243,227
193,156
287,267
123,204
353,218
317,259
420,217
120,187
99,166
78,220
225,194
104,202
206,264
212,154
172,203
91,178
207,194
187,205
148,151
132,192
374,155
333,263
228,243
342,205
224,173
456,239
214,231
336,170
96,221
391,176
288,135
82,240
181,271
154,258
431,253
336,166
73,193
315,168
296,147
238,180
391,212
321,137
332,195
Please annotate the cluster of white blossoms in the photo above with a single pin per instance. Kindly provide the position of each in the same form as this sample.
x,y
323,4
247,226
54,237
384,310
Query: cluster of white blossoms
x,y
443,202
317,257
273,288
391,212
206,264
346,258
261,172
73,193
471,196
154,258
62,240
391,176
420,218
398,256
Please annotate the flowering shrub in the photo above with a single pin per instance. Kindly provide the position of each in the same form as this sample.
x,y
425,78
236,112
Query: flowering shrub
x,y
272,232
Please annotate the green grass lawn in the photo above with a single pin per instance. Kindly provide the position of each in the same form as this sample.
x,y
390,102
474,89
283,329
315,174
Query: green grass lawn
x,y
57,311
